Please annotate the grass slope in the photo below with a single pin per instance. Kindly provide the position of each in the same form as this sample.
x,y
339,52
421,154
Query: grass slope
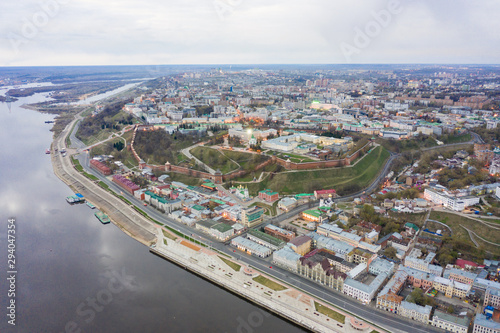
x,y
214,159
349,179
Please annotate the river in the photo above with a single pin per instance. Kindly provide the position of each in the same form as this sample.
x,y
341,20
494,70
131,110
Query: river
x,y
66,259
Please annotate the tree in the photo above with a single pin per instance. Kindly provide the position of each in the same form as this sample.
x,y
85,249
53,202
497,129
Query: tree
x,y
390,252
450,309
416,296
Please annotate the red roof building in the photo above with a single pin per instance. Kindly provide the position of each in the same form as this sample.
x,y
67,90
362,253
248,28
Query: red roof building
x,y
466,264
126,184
324,194
100,167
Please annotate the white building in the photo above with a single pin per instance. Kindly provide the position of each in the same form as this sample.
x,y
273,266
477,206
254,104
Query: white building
x,y
449,322
483,325
363,292
415,312
413,260
448,201
286,258
251,247
495,166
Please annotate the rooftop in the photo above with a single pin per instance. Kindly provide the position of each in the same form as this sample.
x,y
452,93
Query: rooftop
x,y
313,212
249,244
482,321
298,241
462,321
222,227
426,310
266,238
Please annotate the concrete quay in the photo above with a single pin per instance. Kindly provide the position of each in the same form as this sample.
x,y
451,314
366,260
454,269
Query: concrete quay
x,y
120,213
289,303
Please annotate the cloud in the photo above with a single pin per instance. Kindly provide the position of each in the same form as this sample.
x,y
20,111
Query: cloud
x,y
91,32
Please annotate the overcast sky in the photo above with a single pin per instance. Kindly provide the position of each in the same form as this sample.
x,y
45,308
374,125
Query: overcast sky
x,y
132,32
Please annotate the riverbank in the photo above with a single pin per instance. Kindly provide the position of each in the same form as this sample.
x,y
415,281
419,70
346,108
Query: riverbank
x,y
148,233
269,293
120,213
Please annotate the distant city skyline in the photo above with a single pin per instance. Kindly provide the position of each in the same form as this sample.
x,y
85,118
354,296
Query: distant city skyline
x,y
130,32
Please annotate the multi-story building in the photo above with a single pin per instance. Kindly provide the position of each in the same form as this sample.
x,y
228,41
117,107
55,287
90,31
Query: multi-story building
x,y
205,225
360,256
286,258
100,167
415,312
252,216
492,297
262,238
460,275
495,166
340,248
251,247
333,231
222,231
485,325
314,215
415,260
485,155
317,266
126,184
379,266
450,323
451,288
301,244
363,292
279,233
448,201
268,195
287,203
324,194
419,279
388,299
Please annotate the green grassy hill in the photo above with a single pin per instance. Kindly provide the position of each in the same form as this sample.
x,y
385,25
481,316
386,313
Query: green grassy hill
x,y
344,180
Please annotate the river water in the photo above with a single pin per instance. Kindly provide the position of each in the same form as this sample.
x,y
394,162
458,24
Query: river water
x,y
75,274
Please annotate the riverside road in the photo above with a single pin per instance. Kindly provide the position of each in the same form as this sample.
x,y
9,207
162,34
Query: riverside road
x,y
384,319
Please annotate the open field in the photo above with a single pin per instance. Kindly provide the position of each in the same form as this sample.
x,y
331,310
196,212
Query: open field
x,y
269,283
457,222
349,179
458,138
188,180
247,161
214,159
417,219
330,313
293,157
169,235
125,156
231,264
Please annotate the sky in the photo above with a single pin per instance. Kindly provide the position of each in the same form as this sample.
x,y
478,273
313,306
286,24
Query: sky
x,y
150,32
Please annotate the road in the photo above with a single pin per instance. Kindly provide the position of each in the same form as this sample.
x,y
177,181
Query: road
x,y
387,320
384,319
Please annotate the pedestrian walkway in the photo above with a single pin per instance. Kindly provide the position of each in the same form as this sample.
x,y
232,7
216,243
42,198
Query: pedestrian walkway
x,y
264,290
